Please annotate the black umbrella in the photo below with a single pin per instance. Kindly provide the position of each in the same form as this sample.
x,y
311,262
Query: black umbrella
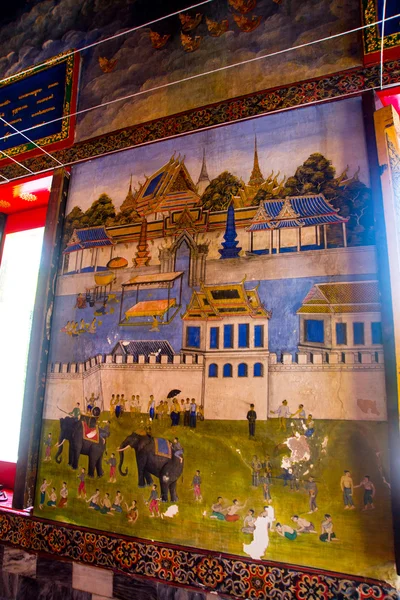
x,y
173,393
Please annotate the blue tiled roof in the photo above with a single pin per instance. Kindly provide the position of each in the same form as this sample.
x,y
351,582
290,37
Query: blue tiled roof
x,y
311,211
94,237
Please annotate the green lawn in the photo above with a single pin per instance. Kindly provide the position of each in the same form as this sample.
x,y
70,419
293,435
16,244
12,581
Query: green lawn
x,y
222,451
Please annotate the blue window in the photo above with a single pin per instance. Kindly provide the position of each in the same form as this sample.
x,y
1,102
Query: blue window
x,y
314,331
259,336
242,370
228,336
213,370
193,337
341,333
358,333
214,337
376,332
243,335
258,370
227,372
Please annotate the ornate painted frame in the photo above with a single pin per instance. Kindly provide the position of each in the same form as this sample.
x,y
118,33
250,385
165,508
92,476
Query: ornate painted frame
x,y
372,39
219,573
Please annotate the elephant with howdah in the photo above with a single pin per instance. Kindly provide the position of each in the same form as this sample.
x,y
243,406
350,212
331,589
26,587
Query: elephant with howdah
x,y
72,430
168,470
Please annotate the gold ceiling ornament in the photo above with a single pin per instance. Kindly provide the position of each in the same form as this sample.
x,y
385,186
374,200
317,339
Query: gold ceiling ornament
x,y
4,204
28,197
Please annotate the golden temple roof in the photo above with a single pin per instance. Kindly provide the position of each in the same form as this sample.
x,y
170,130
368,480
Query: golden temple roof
x,y
228,300
342,297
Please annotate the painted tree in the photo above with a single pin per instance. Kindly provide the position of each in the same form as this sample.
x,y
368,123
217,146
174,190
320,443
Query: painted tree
x,y
76,219
352,197
218,194
102,212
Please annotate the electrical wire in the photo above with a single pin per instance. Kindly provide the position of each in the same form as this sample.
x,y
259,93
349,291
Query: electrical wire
x,y
210,72
30,141
190,78
304,105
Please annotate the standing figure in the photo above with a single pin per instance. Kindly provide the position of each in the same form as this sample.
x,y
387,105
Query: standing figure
x,y
267,466
283,413
132,405
153,502
369,492
193,414
64,495
151,408
346,485
81,486
252,417
48,442
196,482
186,412
43,489
256,468
312,489
300,412
112,461
266,492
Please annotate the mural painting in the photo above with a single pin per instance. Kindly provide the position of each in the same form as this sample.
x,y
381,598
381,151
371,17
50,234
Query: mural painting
x,y
217,376
148,68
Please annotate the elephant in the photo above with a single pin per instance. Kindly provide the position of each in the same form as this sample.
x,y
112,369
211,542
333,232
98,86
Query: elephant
x,y
168,470
71,430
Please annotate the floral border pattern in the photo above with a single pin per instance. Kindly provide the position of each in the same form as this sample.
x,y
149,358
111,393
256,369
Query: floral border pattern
x,y
347,83
222,574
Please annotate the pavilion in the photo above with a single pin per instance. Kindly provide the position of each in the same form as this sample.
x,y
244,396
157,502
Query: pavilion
x,y
295,213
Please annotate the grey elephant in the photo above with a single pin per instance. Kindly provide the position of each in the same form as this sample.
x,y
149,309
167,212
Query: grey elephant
x,y
168,470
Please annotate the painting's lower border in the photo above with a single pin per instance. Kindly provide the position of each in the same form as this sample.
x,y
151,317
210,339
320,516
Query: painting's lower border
x,y
329,87
220,573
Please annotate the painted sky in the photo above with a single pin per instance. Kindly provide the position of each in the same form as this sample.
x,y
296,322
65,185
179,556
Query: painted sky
x,y
284,140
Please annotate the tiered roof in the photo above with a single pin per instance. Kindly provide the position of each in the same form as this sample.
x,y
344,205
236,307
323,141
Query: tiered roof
x,y
169,188
91,237
229,300
295,211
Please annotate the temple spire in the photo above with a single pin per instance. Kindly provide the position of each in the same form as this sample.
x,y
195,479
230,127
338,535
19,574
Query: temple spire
x,y
142,256
204,179
130,200
256,177
229,246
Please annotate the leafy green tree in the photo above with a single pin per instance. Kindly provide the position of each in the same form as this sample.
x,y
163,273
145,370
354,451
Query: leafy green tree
x,y
349,195
102,212
76,219
218,194
126,216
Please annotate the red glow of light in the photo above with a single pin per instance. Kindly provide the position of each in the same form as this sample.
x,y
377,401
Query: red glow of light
x,y
26,194
390,96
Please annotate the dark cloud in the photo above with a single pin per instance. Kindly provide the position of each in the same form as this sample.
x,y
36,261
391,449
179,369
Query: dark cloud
x,y
54,26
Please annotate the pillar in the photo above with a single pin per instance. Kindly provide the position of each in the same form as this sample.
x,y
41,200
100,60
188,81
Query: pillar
x,y
344,235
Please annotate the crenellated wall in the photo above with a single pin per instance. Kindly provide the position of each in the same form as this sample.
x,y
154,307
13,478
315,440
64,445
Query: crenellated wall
x,y
331,385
